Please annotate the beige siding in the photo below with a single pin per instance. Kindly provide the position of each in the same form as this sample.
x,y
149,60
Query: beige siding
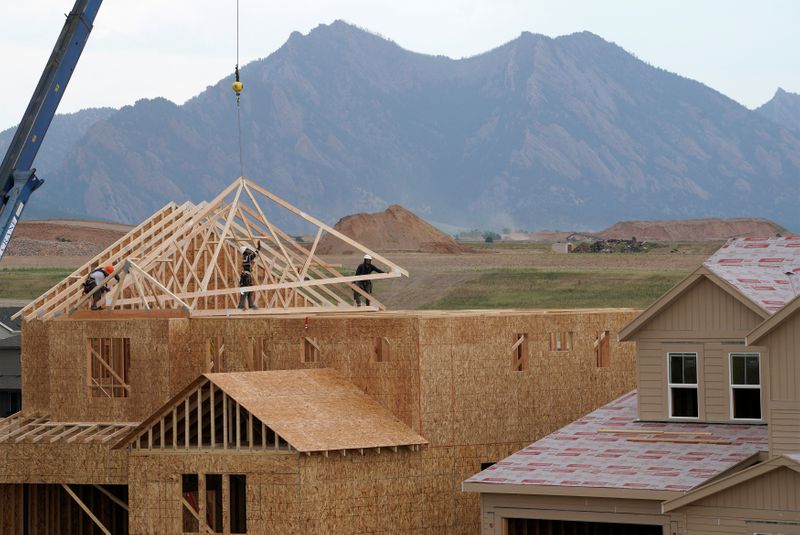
x,y
784,346
784,392
704,311
775,496
706,320
784,430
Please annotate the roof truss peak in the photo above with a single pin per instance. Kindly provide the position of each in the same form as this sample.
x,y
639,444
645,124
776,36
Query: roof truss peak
x,y
188,258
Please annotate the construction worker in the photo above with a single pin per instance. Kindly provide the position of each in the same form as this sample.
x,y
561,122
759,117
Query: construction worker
x,y
248,255
246,279
365,268
93,281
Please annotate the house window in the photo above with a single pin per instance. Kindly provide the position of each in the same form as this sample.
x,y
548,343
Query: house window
x,y
602,350
109,367
380,351
683,388
519,353
214,502
561,341
216,354
745,386
310,351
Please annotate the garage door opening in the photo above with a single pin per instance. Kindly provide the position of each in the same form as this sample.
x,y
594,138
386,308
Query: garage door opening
x,y
529,526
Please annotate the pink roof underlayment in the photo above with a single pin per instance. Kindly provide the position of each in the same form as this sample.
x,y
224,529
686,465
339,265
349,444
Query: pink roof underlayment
x,y
758,268
605,449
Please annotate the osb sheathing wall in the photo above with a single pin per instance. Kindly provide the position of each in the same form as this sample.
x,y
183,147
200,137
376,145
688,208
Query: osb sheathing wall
x,y
154,489
63,463
449,376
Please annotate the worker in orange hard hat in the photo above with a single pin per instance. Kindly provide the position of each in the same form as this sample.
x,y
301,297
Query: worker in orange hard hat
x,y
94,280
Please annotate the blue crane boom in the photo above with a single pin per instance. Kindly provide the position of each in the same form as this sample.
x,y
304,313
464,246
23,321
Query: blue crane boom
x,y
17,175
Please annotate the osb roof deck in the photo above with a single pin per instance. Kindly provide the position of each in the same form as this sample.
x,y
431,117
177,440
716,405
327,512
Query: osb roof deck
x,y
313,410
610,449
316,410
765,270
189,258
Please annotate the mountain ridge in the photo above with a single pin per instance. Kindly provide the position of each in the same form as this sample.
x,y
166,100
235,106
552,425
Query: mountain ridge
x,y
540,132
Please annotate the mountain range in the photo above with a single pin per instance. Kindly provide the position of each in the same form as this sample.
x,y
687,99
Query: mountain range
x,y
567,132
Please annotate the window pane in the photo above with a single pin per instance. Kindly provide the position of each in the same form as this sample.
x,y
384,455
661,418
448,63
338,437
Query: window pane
x,y
684,402
751,374
676,369
747,403
737,370
690,369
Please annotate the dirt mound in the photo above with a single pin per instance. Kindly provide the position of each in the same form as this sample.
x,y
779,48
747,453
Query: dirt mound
x,y
395,229
693,230
63,237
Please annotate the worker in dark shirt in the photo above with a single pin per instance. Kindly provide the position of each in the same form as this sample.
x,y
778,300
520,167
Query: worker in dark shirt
x,y
246,279
365,268
248,255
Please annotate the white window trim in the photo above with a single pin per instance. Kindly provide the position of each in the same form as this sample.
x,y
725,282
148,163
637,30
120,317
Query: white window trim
x,y
731,386
671,385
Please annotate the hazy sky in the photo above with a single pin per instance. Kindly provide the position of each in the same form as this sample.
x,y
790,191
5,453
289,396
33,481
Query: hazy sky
x,y
175,48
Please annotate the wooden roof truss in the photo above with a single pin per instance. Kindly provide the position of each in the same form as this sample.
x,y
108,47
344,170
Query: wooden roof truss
x,y
39,429
205,418
187,257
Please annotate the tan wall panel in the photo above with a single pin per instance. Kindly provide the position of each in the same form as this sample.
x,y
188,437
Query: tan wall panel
x,y
704,311
62,463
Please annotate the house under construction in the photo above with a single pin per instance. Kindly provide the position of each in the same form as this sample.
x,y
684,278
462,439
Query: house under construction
x,y
173,411
710,441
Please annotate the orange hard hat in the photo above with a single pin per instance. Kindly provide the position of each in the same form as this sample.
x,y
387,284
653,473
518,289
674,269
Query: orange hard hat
x,y
109,269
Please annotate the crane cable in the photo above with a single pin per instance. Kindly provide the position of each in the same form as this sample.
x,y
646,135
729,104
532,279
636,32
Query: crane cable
x,y
237,88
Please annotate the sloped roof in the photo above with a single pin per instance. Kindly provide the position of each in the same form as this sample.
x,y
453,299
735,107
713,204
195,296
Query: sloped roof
x,y
12,326
790,460
313,410
765,270
610,449
316,409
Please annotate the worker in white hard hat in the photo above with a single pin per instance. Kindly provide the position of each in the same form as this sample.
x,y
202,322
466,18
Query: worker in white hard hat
x,y
248,255
365,268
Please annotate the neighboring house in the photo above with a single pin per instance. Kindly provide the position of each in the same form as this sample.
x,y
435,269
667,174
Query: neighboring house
x,y
9,327
10,383
710,442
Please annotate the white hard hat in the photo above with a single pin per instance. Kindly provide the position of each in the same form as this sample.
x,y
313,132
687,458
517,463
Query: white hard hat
x,y
367,257
243,248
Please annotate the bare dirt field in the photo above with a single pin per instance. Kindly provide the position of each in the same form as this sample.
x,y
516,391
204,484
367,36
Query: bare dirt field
x,y
498,275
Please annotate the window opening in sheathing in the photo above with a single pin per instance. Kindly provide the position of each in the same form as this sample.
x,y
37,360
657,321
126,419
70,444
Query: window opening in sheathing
x,y
381,349
109,367
519,353
561,341
310,350
238,503
191,503
216,354
258,353
214,502
602,350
